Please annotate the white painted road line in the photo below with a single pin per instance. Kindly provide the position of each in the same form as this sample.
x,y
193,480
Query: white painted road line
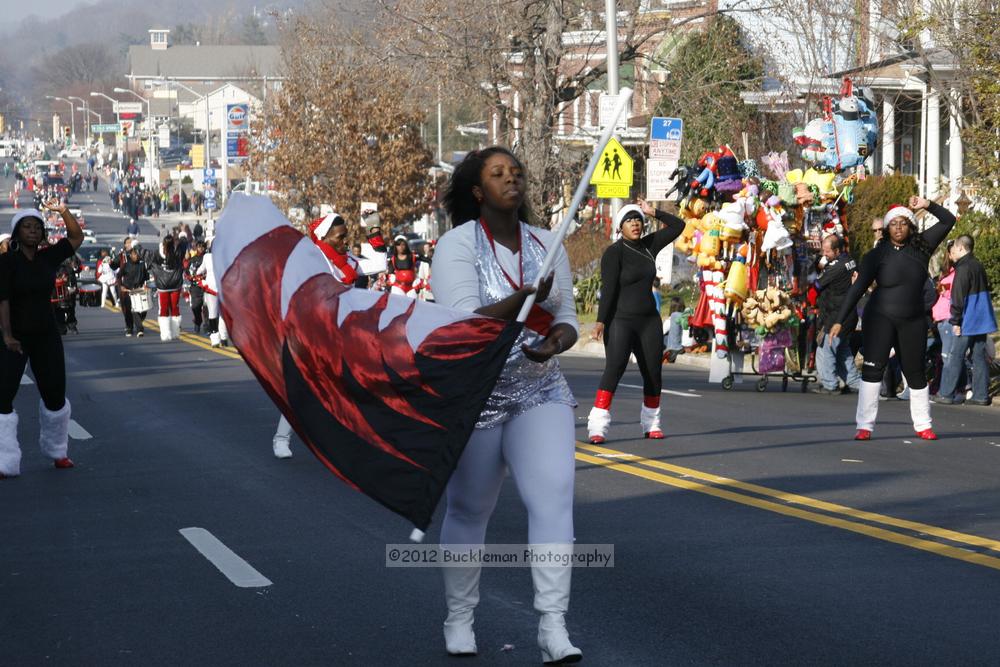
x,y
237,570
25,379
665,391
77,432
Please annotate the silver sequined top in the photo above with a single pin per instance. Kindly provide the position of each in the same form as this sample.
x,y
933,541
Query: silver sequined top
x,y
523,384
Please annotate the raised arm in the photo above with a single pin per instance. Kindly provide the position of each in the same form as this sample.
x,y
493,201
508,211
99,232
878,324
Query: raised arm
x,y
935,234
74,234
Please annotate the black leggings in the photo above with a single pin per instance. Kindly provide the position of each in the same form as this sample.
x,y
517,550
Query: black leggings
x,y
907,336
197,308
45,351
126,304
642,336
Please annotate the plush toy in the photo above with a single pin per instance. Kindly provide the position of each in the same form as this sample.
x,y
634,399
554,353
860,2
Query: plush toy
x,y
683,179
767,309
728,179
776,164
704,184
776,236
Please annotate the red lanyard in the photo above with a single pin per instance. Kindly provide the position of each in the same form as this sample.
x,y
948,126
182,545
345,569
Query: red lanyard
x,y
520,255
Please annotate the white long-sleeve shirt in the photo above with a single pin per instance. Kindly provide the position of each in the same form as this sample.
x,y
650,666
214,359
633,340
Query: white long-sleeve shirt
x,y
456,281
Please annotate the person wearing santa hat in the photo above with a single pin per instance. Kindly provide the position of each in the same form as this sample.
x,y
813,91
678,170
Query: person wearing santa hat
x,y
402,268
329,233
27,278
895,316
627,317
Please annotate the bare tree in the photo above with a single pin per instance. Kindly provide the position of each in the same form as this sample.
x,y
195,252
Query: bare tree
x,y
75,65
343,128
526,61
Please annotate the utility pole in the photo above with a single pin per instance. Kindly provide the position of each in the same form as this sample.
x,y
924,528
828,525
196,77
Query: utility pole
x,y
439,151
611,30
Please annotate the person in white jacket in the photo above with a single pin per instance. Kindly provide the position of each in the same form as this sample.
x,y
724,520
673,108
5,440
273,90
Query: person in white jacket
x,y
218,334
107,276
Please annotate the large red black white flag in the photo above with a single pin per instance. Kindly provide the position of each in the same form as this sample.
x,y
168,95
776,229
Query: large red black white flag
x,y
385,390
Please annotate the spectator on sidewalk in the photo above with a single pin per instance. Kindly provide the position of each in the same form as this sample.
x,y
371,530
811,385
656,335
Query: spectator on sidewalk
x,y
833,354
972,320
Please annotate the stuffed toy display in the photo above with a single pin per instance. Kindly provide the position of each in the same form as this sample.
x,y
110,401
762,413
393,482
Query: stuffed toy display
x,y
754,228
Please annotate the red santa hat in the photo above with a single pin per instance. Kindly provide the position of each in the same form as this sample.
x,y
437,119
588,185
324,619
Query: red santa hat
x,y
899,211
321,226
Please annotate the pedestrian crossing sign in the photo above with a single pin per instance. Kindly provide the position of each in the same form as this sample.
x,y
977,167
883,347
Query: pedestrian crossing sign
x,y
614,167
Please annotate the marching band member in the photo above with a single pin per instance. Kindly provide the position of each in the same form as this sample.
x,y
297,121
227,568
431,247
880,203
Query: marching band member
x,y
402,267
27,278
329,233
488,264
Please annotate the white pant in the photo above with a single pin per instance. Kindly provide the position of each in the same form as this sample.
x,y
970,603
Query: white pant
x,y
105,288
538,447
284,429
212,304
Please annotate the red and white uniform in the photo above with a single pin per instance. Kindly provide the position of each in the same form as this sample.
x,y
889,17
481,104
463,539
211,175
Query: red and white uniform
x,y
403,276
344,265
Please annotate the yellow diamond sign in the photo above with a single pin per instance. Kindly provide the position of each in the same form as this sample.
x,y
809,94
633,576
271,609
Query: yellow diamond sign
x,y
615,166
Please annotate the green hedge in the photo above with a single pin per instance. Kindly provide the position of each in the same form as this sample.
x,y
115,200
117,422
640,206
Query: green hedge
x,y
872,198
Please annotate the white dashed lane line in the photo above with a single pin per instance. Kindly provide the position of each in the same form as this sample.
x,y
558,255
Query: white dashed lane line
x,y
237,570
77,432
665,391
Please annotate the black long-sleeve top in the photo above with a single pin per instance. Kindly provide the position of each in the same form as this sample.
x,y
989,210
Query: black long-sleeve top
x,y
901,272
628,269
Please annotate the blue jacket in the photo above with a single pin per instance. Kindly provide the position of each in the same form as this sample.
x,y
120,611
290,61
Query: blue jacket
x,y
971,305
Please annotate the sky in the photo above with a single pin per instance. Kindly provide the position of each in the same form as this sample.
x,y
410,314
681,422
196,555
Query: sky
x,y
14,11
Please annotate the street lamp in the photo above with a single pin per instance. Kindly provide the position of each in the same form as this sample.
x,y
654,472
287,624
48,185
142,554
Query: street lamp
x,y
149,126
72,121
208,121
114,107
86,118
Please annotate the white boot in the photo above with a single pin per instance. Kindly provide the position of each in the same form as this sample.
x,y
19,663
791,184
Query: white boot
x,y
53,433
867,405
552,584
175,327
282,436
461,594
215,339
598,423
164,323
10,449
920,408
650,420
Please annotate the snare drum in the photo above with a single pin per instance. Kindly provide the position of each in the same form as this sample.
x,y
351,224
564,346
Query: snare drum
x,y
140,301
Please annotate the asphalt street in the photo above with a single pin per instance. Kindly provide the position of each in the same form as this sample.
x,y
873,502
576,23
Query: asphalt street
x,y
756,533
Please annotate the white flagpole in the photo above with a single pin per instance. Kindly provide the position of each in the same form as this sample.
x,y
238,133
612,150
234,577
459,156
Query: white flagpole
x,y
581,190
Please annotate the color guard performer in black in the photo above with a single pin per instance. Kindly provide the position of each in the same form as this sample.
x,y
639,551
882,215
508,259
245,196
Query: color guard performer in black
x,y
27,278
627,316
895,316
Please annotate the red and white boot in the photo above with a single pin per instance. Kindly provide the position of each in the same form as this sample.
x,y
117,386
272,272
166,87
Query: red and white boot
x,y
867,409
53,435
920,413
649,417
599,420
10,449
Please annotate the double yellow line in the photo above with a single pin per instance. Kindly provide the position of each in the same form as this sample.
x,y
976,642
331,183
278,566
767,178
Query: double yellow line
x,y
952,544
190,339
